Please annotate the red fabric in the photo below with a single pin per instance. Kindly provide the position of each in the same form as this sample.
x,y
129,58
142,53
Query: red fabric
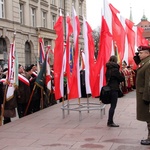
x,y
103,56
131,41
118,32
69,32
48,76
91,48
58,58
75,89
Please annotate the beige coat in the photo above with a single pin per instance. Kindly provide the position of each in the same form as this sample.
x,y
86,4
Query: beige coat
x,y
143,90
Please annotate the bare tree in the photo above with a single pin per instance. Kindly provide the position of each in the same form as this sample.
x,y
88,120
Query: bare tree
x,y
96,36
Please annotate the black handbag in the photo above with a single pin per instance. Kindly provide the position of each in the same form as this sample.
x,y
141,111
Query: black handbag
x,y
105,94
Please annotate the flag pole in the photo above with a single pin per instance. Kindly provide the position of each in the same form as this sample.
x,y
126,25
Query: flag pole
x,y
30,100
80,115
63,107
88,103
42,106
3,106
38,57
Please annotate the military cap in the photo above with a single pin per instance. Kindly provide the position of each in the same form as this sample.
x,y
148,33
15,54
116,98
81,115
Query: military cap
x,y
142,48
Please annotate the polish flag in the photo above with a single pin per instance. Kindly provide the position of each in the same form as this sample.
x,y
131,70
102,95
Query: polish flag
x,y
69,31
58,58
103,56
118,32
89,55
131,40
11,72
75,89
48,76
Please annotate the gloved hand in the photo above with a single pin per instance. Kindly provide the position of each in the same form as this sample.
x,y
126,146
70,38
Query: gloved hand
x,y
146,102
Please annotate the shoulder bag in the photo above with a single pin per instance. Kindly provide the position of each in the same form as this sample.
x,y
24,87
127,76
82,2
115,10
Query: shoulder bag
x,y
105,95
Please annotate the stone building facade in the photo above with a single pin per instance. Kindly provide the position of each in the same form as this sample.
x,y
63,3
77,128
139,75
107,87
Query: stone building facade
x,y
29,19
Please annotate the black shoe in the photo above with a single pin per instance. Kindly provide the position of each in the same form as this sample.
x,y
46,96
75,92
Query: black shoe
x,y
145,142
112,125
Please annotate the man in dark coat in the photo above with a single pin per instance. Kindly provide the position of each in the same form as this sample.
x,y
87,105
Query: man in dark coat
x,y
143,89
23,91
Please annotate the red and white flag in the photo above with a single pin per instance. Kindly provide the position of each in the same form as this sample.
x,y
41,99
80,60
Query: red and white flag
x,y
69,31
125,56
103,56
89,55
48,70
58,58
131,40
11,72
75,88
118,32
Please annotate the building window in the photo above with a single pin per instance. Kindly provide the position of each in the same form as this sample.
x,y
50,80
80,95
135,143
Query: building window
x,y
44,19
61,3
2,9
27,54
53,2
53,21
3,52
21,13
33,11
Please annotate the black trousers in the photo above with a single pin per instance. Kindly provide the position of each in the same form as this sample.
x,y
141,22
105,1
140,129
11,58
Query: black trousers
x,y
21,107
114,99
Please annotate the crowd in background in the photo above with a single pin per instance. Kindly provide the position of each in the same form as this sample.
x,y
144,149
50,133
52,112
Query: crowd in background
x,y
28,97
43,98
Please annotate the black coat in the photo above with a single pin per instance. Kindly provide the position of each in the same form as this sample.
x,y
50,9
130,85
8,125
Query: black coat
x,y
1,93
113,75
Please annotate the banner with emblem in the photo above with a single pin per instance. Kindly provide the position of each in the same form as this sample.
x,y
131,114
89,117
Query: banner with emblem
x,y
11,73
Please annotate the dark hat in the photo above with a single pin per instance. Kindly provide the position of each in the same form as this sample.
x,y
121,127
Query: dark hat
x,y
142,48
28,68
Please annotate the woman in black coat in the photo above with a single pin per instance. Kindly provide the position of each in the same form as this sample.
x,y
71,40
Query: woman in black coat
x,y
113,78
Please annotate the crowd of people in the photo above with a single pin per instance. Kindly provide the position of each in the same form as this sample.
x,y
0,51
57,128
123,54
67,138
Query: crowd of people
x,y
27,104
27,98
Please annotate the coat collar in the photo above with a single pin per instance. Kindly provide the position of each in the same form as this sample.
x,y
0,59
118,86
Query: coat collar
x,y
144,61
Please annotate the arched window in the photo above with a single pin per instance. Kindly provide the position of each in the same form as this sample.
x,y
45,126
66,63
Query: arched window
x,y
3,52
27,54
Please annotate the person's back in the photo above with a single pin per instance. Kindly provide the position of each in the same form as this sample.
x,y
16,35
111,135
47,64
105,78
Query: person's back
x,y
113,78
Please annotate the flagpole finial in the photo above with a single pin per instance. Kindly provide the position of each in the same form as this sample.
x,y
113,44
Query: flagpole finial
x,y
15,32
14,35
60,12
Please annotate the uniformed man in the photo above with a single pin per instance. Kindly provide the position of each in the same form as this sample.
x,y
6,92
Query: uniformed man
x,y
143,89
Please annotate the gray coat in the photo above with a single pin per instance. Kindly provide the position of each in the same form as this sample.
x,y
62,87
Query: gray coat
x,y
143,90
